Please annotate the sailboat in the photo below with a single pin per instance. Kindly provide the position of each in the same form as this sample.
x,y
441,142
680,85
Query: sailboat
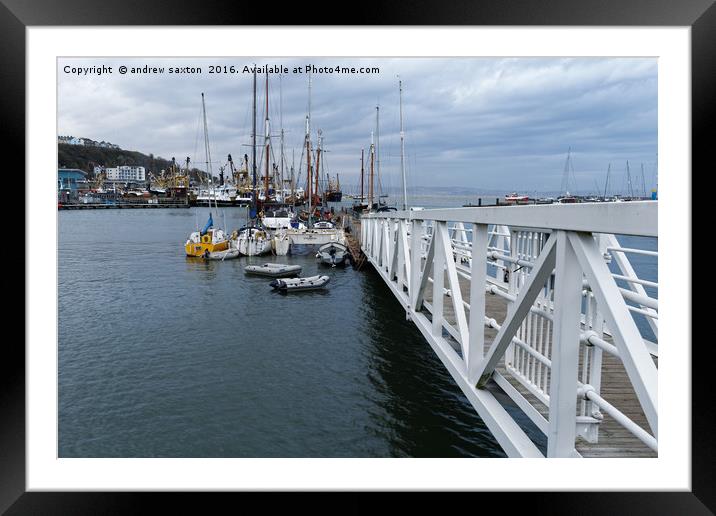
x,y
567,198
209,240
252,240
360,206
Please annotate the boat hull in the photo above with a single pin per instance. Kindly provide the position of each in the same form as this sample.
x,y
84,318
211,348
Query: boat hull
x,y
300,284
228,254
255,243
274,270
333,254
334,196
199,249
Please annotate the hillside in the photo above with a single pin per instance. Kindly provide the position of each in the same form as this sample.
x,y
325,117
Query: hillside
x,y
87,157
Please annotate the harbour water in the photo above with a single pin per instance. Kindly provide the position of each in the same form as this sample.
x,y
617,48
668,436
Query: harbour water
x,y
161,355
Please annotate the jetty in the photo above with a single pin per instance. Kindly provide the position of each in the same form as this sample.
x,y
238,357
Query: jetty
x,y
530,308
121,206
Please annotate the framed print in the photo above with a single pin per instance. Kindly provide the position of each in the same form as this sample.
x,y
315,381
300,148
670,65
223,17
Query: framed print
x,y
395,256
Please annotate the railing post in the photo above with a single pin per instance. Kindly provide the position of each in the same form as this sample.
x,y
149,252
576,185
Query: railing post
x,y
417,230
565,350
478,280
438,280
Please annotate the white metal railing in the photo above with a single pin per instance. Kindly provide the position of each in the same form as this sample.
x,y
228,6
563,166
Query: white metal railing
x,y
572,295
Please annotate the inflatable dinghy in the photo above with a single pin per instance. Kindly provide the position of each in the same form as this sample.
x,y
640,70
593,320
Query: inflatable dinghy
x,y
298,284
274,270
227,254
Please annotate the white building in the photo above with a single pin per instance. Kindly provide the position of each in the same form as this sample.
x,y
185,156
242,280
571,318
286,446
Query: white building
x,y
71,140
125,173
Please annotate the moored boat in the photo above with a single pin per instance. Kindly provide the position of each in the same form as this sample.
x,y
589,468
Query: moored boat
x,y
515,198
253,241
274,270
208,240
299,284
227,254
333,254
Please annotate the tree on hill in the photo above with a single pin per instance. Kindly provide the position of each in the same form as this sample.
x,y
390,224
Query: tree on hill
x,y
87,157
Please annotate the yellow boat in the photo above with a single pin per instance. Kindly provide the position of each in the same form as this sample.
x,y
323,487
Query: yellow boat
x,y
211,241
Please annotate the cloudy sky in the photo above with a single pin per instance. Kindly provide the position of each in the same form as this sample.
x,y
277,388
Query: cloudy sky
x,y
481,123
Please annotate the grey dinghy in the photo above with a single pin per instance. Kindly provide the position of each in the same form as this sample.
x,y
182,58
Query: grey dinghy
x,y
297,284
228,254
274,270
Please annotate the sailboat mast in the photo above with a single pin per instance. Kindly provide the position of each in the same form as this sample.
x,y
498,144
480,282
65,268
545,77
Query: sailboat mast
x,y
293,179
280,121
377,143
253,147
267,139
318,163
606,183
372,161
362,197
308,150
402,148
207,151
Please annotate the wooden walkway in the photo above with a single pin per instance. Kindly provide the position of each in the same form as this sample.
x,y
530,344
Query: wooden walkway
x,y
353,243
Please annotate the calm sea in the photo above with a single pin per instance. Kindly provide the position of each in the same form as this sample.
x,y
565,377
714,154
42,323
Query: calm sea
x,y
161,355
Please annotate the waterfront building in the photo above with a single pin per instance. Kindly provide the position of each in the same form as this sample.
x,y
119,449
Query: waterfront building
x,y
125,173
70,178
69,181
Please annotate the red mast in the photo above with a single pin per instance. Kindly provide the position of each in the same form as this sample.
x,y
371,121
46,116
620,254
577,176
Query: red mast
x,y
268,139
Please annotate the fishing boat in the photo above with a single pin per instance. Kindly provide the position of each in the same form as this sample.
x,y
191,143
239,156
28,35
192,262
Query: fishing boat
x,y
333,191
274,270
515,198
208,240
253,241
333,254
300,284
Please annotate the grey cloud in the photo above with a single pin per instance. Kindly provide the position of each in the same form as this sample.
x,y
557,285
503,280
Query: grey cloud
x,y
483,123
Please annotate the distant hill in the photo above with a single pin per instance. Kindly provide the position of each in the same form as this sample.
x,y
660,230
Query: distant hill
x,y
86,157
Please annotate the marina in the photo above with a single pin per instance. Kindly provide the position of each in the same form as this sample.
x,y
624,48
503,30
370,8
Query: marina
x,y
279,315
218,286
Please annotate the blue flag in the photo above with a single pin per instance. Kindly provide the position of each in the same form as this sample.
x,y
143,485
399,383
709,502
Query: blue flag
x,y
209,223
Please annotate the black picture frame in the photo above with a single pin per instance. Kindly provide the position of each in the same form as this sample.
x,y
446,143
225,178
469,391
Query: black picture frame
x,y
16,15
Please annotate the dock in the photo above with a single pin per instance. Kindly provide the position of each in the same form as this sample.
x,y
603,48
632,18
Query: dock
x,y
353,243
529,319
121,206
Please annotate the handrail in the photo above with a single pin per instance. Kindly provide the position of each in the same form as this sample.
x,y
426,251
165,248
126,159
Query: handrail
x,y
637,218
421,251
